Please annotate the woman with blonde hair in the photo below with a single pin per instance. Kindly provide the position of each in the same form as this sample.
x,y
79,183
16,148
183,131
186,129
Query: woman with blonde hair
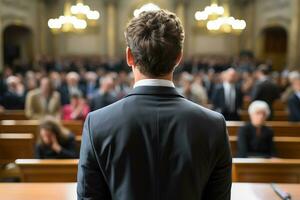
x,y
55,141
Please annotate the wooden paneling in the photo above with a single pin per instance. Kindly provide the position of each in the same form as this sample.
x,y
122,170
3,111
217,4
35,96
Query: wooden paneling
x,y
13,115
14,146
281,128
266,170
286,147
67,191
37,170
31,126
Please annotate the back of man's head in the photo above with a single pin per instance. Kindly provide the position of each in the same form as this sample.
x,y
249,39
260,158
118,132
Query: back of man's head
x,y
155,39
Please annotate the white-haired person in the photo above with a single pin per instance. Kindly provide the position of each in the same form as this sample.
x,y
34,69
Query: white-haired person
x,y
255,139
72,85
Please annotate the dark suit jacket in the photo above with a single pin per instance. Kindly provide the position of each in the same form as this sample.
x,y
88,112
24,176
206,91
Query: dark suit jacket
x,y
219,102
294,108
12,101
101,100
266,91
65,93
154,144
250,144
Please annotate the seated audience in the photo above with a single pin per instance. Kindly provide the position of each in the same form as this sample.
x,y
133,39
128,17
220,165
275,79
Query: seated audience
x,y
91,84
104,96
55,141
14,97
227,97
42,101
255,139
77,109
265,89
294,101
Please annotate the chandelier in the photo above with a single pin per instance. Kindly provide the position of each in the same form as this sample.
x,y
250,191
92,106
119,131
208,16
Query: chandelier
x,y
217,19
76,18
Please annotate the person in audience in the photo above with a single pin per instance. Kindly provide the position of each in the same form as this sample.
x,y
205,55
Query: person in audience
x,y
55,141
77,109
14,97
294,101
104,96
255,139
265,89
289,91
72,85
43,101
91,84
191,90
154,143
227,97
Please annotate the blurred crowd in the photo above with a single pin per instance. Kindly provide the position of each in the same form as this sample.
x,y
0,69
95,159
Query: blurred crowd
x,y
69,88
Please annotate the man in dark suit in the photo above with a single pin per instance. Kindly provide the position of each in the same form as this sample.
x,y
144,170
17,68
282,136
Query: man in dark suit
x,y
154,144
103,97
294,101
71,86
265,89
227,97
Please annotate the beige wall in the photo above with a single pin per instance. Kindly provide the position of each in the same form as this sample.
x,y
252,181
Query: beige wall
x,y
108,37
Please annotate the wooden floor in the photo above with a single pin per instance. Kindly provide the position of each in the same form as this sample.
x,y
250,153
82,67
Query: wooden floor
x,y
67,191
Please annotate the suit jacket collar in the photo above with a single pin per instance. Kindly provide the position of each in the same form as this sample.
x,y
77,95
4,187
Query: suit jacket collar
x,y
155,90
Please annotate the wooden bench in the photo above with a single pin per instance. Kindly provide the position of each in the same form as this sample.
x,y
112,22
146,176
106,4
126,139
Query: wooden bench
x,y
13,115
277,105
286,147
37,170
14,146
266,170
278,115
244,170
67,191
31,126
281,128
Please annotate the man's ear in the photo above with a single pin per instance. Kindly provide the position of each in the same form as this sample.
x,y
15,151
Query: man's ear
x,y
129,57
179,58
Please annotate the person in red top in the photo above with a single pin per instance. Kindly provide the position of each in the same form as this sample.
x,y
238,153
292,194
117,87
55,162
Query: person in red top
x,y
77,109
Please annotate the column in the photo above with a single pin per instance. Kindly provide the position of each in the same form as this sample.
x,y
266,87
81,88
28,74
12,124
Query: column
x,y
180,10
111,28
1,46
294,36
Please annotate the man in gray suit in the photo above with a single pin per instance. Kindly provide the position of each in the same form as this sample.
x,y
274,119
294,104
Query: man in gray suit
x,y
154,144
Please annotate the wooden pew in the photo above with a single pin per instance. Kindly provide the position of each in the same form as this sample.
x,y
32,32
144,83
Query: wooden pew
x,y
244,170
266,170
278,115
13,115
277,105
31,126
67,191
13,146
36,170
281,128
286,147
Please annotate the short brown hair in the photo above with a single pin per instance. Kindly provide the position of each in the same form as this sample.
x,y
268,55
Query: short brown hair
x,y
155,39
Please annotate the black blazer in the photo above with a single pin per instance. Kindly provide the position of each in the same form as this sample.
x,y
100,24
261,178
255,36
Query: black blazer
x,y
219,102
252,145
154,144
294,108
266,91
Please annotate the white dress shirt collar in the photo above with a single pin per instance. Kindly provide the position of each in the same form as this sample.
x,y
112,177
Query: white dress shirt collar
x,y
154,82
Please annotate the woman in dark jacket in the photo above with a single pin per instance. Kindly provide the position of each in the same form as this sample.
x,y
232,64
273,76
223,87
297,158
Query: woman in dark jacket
x,y
255,139
55,141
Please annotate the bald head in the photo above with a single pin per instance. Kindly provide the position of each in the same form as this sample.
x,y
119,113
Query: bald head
x,y
230,75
